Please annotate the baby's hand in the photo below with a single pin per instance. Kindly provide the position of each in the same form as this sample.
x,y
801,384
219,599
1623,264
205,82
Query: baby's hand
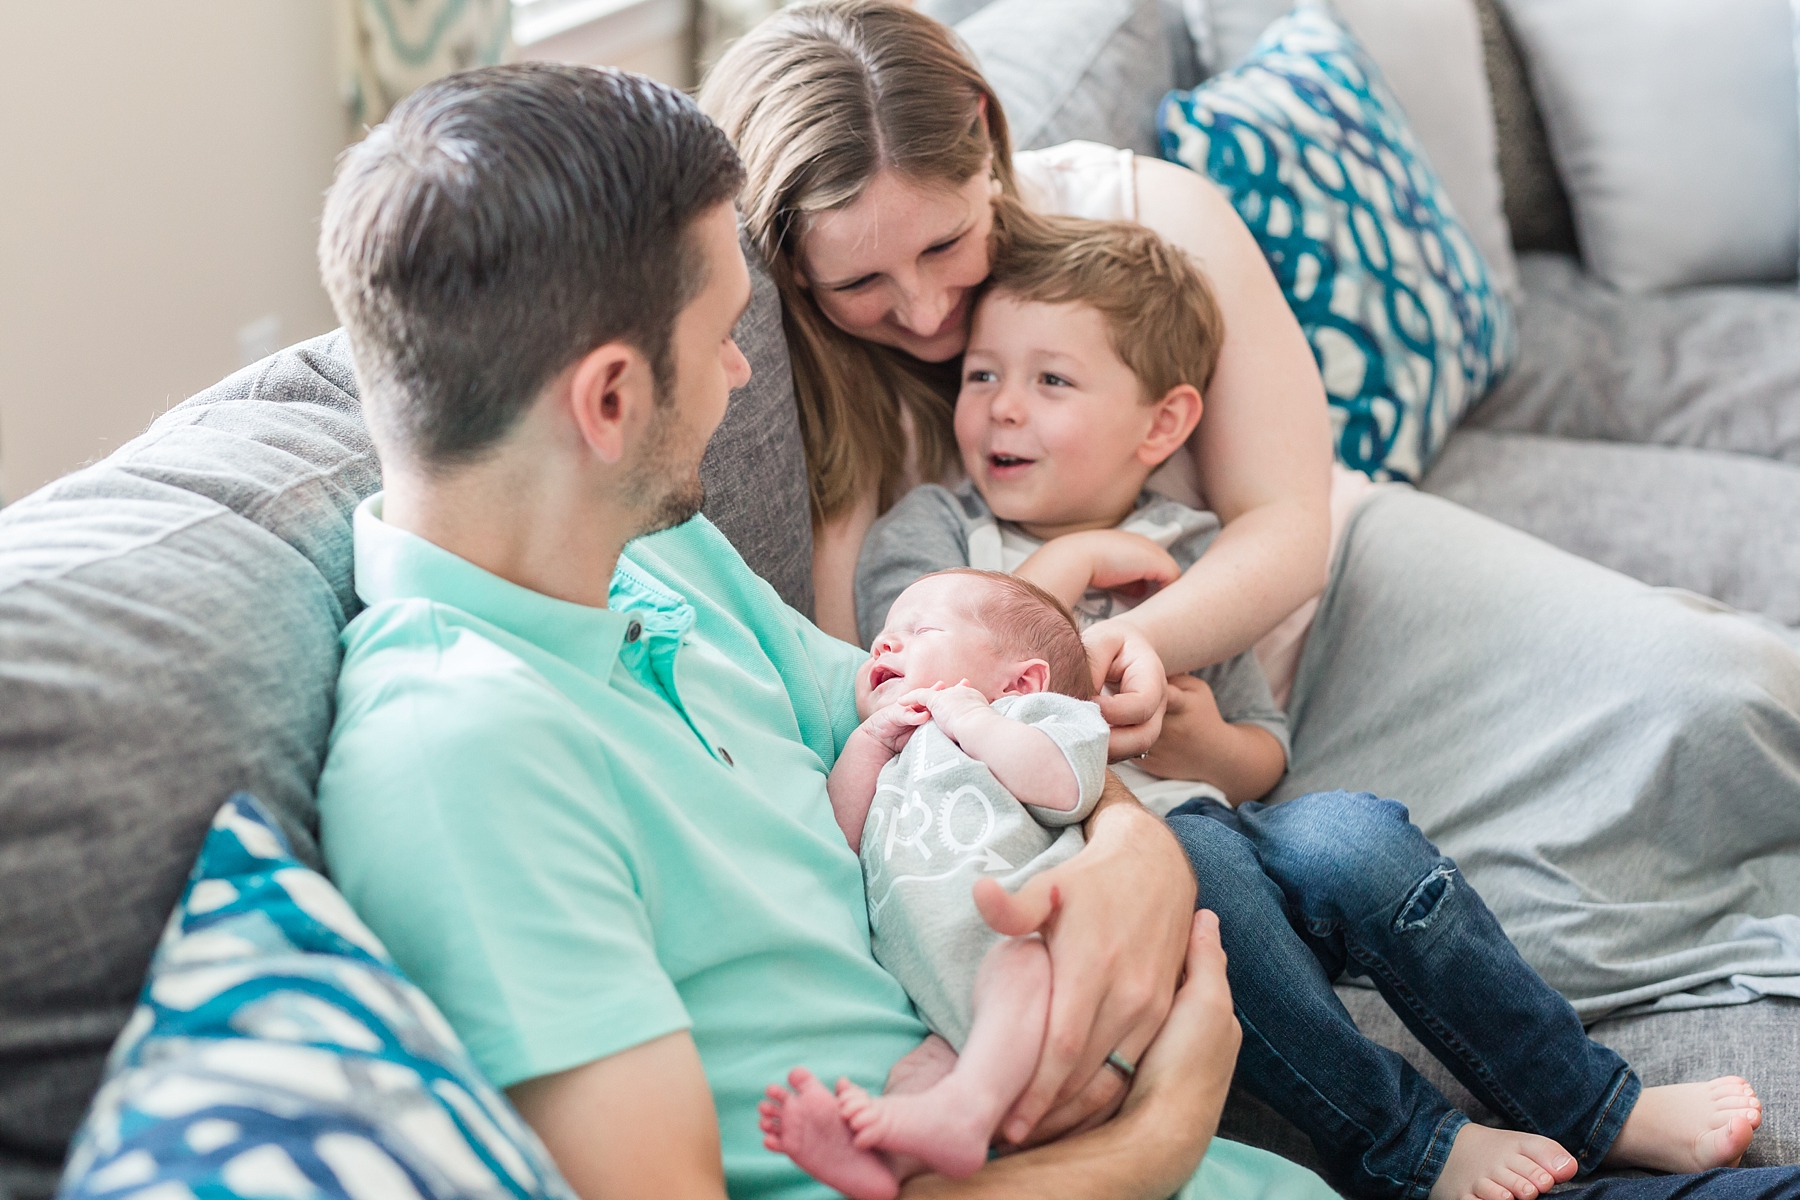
x,y
951,706
1127,561
892,725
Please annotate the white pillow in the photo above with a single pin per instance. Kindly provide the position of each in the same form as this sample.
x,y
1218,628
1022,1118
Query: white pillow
x,y
1430,53
1675,126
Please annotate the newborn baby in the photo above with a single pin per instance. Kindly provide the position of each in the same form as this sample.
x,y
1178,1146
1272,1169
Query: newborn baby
x,y
978,757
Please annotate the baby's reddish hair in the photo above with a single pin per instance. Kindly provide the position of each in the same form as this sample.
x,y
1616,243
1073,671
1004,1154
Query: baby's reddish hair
x,y
1027,621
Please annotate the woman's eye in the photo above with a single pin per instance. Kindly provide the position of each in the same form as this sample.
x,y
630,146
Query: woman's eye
x,y
979,376
943,246
854,284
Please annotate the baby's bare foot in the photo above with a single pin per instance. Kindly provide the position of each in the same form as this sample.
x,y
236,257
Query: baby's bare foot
x,y
1499,1164
1689,1127
948,1136
804,1125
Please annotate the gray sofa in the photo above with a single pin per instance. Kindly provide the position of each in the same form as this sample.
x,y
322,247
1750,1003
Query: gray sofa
x,y
169,615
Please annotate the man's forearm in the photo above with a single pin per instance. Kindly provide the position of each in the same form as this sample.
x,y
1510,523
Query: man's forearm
x,y
1138,1155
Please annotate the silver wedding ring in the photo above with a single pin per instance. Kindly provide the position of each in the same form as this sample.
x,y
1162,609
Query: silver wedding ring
x,y
1117,1062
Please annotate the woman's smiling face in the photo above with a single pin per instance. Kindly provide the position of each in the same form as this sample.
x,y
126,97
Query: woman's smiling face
x,y
900,264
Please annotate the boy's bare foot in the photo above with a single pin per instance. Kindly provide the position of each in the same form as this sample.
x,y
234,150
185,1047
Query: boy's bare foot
x,y
1689,1126
804,1125
949,1137
1499,1164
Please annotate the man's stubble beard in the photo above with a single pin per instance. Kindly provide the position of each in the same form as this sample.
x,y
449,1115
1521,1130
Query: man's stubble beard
x,y
667,488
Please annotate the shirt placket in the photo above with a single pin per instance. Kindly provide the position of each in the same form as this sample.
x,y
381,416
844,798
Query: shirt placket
x,y
653,642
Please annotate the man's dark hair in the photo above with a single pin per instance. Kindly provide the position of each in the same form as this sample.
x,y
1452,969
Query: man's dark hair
x,y
505,221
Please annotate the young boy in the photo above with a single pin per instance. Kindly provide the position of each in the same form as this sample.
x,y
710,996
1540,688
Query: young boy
x,y
979,755
1084,371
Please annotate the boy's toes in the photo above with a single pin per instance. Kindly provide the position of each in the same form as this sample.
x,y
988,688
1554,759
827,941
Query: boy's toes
x,y
1489,1189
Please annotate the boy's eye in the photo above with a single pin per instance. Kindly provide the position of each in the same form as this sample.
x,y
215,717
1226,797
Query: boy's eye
x,y
1052,380
979,376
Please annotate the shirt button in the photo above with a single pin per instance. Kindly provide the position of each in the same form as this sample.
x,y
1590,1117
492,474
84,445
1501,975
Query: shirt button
x,y
726,755
634,631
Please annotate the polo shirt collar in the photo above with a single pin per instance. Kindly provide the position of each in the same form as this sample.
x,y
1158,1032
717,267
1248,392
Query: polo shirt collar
x,y
392,564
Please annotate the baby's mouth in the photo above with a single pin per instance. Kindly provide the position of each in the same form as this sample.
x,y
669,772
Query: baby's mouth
x,y
879,674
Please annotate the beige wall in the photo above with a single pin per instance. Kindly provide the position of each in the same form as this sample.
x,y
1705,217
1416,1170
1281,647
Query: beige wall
x,y
163,166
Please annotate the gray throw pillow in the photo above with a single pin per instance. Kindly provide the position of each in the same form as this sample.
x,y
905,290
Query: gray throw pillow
x,y
1067,70
1676,132
1537,208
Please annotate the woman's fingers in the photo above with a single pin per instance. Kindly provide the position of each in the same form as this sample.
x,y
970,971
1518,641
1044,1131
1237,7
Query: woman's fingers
x,y
1124,658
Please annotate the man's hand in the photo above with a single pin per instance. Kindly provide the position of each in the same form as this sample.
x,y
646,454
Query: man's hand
x,y
1191,726
1124,659
1117,940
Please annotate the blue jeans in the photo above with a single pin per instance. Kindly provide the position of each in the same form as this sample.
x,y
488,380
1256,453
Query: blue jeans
x,y
1334,884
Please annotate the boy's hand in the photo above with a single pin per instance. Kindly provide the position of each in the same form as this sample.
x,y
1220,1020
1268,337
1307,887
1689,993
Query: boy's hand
x,y
1127,562
1191,724
952,707
892,725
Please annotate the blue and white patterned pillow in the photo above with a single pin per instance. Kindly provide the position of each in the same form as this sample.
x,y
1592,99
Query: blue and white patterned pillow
x,y
277,1051
1403,314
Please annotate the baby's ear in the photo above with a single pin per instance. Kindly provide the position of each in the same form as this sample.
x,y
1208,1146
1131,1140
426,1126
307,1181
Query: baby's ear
x,y
1029,677
1177,412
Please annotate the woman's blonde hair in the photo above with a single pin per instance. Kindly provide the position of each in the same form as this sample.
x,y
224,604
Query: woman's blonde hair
x,y
819,99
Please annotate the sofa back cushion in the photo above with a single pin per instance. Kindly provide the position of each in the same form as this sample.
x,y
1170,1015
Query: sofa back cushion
x,y
168,636
1675,130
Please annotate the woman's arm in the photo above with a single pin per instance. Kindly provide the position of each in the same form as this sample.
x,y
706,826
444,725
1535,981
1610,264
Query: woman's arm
x,y
1155,1143
1263,447
835,547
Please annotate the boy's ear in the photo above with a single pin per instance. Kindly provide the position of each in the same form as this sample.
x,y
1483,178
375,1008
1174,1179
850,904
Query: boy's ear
x,y
612,391
1172,423
1028,678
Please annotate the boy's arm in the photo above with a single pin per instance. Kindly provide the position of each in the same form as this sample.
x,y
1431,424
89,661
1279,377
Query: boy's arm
x,y
1244,761
639,1123
1106,558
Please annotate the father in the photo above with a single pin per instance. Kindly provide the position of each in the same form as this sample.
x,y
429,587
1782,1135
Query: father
x,y
578,788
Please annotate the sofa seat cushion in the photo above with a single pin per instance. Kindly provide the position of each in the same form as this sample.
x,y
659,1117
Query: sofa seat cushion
x,y
1724,525
1760,1041
277,1051
1715,368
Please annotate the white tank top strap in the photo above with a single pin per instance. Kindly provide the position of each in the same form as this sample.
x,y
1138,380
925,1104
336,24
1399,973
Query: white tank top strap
x,y
1080,179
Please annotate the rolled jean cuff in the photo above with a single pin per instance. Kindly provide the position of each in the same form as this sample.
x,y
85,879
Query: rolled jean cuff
x,y
1622,1098
1436,1154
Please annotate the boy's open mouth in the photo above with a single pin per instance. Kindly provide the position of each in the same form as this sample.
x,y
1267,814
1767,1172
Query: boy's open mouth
x,y
1006,462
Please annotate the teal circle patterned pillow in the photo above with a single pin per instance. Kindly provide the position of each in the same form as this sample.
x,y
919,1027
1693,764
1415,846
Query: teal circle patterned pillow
x,y
277,1051
1403,315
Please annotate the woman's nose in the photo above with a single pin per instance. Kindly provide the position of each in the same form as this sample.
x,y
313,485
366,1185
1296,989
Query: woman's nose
x,y
922,311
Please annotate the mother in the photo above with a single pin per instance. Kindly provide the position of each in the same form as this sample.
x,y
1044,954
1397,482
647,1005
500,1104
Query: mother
x,y
1617,769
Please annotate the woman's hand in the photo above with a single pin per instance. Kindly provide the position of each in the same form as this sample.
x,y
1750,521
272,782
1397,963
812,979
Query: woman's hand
x,y
1191,724
1117,940
1123,658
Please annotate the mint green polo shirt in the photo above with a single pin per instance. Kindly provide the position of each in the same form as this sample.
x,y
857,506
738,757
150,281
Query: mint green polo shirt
x,y
580,829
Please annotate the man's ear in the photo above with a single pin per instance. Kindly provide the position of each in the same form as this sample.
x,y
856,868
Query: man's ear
x,y
1028,678
611,392
1173,421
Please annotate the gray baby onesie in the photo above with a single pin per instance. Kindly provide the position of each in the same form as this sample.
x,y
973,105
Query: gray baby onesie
x,y
933,528
939,822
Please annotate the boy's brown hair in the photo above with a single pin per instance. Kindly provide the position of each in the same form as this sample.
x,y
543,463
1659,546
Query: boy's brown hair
x,y
1026,620
1160,313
